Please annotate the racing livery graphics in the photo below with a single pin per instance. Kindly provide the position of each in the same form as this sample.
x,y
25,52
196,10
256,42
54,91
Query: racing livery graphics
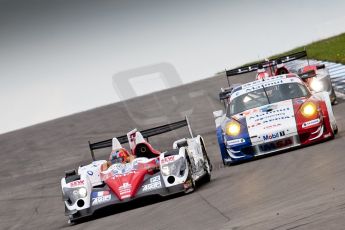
x,y
143,171
270,115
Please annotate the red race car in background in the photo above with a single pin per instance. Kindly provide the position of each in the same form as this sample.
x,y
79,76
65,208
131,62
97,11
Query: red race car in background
x,y
316,77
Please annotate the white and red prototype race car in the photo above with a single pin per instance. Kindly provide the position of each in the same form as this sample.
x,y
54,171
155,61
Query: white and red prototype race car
x,y
270,115
150,172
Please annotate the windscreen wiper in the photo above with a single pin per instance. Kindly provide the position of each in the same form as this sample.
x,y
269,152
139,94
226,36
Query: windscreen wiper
x,y
266,94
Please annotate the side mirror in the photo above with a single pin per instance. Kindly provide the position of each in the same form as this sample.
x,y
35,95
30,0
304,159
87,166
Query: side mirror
x,y
218,113
320,66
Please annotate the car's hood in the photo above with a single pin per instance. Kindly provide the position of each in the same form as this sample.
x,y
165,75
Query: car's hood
x,y
125,179
270,122
126,185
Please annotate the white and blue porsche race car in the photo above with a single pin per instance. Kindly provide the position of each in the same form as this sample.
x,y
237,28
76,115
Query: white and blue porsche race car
x,y
270,115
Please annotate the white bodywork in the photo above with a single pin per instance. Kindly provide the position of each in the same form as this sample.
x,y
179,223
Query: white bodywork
x,y
195,153
91,174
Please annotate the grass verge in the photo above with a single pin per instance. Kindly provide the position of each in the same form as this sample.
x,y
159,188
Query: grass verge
x,y
329,49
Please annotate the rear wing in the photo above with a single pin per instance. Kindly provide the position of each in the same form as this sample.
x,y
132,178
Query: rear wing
x,y
145,133
308,74
265,64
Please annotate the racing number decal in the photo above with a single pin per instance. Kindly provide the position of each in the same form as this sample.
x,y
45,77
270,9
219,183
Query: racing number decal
x,y
155,183
132,137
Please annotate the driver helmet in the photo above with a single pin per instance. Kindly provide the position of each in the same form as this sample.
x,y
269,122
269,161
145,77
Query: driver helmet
x,y
119,156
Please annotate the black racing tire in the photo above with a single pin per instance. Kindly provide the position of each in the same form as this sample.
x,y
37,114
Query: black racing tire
x,y
190,177
207,164
335,131
225,164
334,101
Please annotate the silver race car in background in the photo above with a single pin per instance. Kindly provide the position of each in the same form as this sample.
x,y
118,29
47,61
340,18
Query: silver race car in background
x,y
318,79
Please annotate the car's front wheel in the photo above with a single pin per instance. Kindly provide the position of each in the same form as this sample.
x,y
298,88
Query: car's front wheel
x,y
207,163
190,180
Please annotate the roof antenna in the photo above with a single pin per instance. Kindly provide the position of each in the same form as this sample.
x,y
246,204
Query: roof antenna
x,y
269,65
227,78
92,153
305,49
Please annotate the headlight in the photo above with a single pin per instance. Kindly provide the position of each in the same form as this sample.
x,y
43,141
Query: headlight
x,y
316,85
82,192
308,109
170,169
75,194
165,170
174,168
233,128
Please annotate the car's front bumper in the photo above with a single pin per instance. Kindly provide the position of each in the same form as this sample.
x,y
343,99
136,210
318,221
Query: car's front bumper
x,y
254,150
165,191
307,137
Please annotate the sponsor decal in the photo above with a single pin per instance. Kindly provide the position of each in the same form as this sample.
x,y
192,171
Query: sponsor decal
x,y
101,199
272,126
113,174
277,113
275,145
272,136
235,141
276,119
248,87
168,159
77,183
122,169
269,107
100,193
254,125
125,188
256,85
327,135
155,183
90,172
310,123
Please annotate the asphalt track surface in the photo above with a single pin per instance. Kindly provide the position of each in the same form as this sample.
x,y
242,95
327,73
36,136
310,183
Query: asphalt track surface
x,y
300,189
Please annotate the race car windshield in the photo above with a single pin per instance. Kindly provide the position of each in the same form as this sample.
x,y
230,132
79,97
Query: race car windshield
x,y
267,95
